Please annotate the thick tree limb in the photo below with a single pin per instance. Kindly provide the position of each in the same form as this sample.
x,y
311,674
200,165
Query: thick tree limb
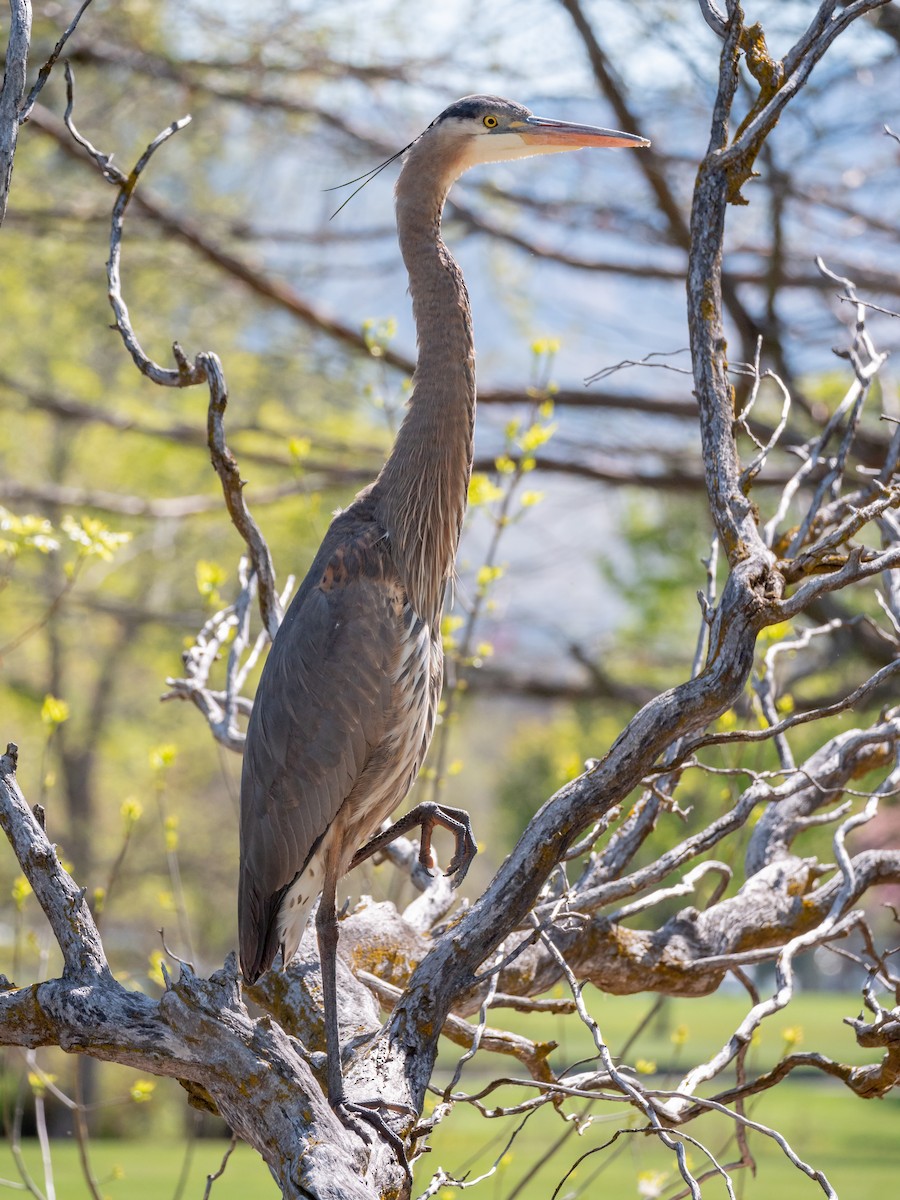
x,y
12,92
199,1032
530,928
63,903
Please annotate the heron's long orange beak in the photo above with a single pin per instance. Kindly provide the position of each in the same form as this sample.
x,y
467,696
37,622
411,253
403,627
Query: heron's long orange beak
x,y
566,135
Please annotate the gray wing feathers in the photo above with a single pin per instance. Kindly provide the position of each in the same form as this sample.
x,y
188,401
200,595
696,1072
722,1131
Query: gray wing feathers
x,y
320,710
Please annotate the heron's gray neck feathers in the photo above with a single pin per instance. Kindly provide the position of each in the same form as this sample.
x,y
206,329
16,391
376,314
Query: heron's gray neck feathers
x,y
423,486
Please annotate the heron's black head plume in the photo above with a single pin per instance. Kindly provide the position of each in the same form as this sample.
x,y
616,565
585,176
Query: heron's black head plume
x,y
366,178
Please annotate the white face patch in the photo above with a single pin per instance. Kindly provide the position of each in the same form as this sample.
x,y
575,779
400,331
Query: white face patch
x,y
486,147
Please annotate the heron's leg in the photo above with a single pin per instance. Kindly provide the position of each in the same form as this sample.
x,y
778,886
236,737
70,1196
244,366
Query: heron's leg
x,y
427,816
327,933
350,1113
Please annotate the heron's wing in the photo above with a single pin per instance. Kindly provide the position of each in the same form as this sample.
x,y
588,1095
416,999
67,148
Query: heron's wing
x,y
320,710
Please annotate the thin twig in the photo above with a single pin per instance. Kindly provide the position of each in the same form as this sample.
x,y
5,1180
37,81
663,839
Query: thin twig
x,y
206,367
44,73
211,1179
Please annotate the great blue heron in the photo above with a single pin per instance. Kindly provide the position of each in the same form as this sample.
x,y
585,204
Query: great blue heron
x,y
346,704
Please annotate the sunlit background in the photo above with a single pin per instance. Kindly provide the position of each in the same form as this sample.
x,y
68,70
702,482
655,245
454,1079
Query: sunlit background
x,y
575,265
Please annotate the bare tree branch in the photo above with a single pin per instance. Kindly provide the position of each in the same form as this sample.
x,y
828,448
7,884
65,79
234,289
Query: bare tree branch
x,y
189,232
88,1011
431,967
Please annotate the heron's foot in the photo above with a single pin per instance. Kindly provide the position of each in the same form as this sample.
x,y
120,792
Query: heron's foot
x,y
459,823
358,1114
427,816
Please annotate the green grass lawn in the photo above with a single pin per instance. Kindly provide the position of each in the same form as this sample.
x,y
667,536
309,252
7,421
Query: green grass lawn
x,y
684,1030
148,1170
856,1143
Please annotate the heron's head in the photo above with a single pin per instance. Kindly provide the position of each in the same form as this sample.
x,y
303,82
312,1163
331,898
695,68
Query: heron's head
x,y
481,129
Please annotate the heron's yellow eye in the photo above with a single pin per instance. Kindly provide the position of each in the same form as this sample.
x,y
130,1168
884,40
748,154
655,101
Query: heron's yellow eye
x,y
490,122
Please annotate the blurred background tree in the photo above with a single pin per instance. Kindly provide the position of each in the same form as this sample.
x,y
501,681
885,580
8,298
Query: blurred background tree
x,y
231,247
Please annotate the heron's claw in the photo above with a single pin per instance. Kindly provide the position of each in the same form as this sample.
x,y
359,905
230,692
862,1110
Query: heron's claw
x,y
458,822
466,846
427,815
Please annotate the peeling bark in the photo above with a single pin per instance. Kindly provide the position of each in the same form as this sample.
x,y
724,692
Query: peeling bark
x,y
529,931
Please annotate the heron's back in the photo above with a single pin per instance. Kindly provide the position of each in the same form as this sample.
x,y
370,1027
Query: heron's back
x,y
341,723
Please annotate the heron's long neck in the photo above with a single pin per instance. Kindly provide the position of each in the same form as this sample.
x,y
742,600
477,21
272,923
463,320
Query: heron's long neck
x,y
423,486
